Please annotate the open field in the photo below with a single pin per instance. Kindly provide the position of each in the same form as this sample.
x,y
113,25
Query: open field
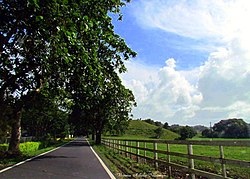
x,y
236,153
142,130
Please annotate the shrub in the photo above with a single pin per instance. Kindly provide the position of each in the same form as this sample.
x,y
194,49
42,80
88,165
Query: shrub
x,y
159,132
187,132
29,147
3,147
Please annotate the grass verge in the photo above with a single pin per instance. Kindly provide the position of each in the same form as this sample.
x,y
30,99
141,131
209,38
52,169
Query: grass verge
x,y
122,166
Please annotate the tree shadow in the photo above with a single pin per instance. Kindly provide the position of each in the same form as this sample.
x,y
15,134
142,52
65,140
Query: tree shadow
x,y
53,156
77,144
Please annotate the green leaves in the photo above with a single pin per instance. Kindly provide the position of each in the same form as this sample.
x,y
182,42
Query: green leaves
x,y
39,18
69,45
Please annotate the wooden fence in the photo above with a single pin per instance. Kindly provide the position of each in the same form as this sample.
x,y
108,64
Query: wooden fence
x,y
141,148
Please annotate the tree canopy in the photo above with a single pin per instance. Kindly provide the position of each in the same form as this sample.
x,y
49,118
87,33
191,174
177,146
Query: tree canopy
x,y
231,128
187,132
67,46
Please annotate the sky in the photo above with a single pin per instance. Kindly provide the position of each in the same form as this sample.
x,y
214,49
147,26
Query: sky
x,y
193,59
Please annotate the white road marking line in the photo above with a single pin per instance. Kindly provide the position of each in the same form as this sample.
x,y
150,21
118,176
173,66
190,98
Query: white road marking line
x,y
32,158
102,163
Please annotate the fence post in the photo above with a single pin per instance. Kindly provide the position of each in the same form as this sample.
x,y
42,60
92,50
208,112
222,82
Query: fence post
x,y
190,160
119,146
116,146
155,155
145,152
223,166
131,149
168,160
126,148
122,147
137,151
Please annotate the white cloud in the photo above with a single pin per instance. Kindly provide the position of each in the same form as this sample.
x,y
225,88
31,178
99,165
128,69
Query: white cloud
x,y
199,19
163,98
216,90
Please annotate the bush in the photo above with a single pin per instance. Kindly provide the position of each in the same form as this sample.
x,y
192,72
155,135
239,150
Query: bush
x,y
29,147
159,132
187,132
3,147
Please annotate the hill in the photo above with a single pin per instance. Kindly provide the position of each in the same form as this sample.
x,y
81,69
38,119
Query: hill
x,y
141,129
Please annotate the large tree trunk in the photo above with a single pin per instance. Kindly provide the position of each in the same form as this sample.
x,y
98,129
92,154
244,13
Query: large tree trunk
x,y
15,132
98,137
93,135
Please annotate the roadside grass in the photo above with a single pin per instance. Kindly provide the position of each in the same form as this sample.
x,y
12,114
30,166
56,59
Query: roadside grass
x,y
140,130
122,166
237,153
28,150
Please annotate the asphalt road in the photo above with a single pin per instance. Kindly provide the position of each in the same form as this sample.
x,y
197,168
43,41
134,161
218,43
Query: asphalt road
x,y
74,160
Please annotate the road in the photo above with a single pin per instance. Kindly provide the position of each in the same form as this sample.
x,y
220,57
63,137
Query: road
x,y
74,160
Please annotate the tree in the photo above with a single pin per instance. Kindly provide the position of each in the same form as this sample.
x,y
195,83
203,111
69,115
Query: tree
x,y
187,132
158,123
208,133
52,43
159,132
115,105
150,121
5,115
231,128
42,117
165,125
23,44
175,128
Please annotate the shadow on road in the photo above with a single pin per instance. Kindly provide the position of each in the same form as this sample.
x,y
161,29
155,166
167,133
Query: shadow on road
x,y
53,156
79,143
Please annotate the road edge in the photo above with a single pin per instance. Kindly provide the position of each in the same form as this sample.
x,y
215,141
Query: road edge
x,y
111,175
32,158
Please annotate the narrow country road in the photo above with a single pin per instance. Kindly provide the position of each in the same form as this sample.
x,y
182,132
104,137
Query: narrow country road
x,y
74,160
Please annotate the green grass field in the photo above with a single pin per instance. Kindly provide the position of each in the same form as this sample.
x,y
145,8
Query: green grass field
x,y
237,153
141,130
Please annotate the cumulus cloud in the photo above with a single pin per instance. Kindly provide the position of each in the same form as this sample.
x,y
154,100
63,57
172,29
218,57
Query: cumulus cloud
x,y
165,95
216,90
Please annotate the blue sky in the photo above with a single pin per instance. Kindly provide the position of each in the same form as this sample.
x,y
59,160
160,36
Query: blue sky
x,y
154,46
193,62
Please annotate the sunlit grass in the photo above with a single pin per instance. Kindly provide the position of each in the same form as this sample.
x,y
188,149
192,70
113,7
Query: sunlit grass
x,y
236,153
27,152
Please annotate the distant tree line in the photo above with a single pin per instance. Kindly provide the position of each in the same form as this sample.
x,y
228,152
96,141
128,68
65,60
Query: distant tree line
x,y
185,132
229,128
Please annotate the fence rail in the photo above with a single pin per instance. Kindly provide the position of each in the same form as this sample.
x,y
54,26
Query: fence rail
x,y
140,149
